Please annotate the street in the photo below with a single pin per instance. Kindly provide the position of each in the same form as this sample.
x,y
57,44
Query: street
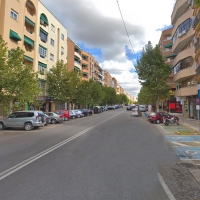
x,y
107,156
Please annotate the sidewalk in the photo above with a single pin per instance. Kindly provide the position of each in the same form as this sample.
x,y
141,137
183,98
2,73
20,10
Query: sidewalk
x,y
193,123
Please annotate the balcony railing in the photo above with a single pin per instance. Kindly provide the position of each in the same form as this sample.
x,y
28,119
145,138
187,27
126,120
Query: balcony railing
x,y
196,21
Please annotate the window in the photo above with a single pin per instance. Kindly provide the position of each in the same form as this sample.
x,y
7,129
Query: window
x,y
52,27
42,84
42,52
13,14
52,42
62,50
43,36
62,36
42,68
51,56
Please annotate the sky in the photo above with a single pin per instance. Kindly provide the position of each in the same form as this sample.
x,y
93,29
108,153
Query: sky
x,y
97,27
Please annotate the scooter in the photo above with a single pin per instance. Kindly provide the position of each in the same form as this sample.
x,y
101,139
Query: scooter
x,y
171,120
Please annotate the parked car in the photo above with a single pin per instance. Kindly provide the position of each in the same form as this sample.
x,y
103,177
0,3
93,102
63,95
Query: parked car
x,y
136,112
72,114
79,113
85,112
64,113
54,117
24,119
47,119
157,117
111,107
142,108
129,107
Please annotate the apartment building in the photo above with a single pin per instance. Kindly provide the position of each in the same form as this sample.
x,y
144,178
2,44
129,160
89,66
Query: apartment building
x,y
114,80
165,44
32,27
107,79
183,63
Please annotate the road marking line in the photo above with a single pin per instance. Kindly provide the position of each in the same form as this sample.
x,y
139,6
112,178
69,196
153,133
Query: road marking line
x,y
179,144
17,167
166,189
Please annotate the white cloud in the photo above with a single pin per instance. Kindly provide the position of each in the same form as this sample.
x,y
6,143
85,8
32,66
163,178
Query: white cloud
x,y
98,24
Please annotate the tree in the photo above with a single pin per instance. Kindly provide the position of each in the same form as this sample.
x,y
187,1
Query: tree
x,y
146,97
109,96
61,83
18,83
153,72
197,2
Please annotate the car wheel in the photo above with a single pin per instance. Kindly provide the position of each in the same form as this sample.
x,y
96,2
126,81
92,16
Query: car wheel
x,y
66,118
53,121
157,121
28,126
2,126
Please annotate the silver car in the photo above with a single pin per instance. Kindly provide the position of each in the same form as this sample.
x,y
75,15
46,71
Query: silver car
x,y
79,113
24,119
54,117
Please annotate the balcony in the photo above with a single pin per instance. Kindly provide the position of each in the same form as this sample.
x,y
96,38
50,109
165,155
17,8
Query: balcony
x,y
77,55
184,74
196,21
179,9
196,45
30,11
186,91
78,65
183,54
182,41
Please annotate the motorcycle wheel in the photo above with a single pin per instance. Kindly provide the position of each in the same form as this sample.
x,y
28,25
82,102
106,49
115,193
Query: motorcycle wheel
x,y
166,123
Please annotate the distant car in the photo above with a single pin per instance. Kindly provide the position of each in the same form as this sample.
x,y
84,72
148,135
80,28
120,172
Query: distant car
x,y
130,107
136,112
79,113
110,107
73,115
85,112
142,108
54,117
64,113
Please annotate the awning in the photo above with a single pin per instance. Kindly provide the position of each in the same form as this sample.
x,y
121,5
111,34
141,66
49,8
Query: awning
x,y
76,57
28,41
170,55
77,47
43,47
85,73
42,64
28,58
168,45
14,36
83,55
85,64
76,68
29,21
43,31
44,18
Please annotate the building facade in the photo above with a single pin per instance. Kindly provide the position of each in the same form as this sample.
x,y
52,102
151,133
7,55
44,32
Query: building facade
x,y
183,63
28,24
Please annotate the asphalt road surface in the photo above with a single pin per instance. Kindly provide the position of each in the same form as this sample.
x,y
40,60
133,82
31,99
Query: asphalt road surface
x,y
107,156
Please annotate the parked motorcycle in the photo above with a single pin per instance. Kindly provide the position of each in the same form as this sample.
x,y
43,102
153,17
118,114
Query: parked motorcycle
x,y
171,119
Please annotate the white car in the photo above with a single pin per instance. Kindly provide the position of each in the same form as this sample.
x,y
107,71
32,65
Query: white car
x,y
79,113
136,112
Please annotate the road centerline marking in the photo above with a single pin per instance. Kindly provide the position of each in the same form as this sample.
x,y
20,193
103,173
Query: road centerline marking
x,y
28,161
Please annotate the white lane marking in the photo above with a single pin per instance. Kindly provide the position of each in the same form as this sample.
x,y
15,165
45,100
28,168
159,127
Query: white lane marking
x,y
47,151
179,144
166,189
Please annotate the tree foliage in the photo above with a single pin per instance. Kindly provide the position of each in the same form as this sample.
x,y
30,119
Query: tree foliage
x,y
18,83
197,2
153,73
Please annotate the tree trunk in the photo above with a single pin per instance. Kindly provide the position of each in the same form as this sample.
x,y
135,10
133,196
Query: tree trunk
x,y
157,105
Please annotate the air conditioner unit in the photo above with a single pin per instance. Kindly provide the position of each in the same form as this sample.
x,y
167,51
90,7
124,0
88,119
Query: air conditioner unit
x,y
192,83
188,84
